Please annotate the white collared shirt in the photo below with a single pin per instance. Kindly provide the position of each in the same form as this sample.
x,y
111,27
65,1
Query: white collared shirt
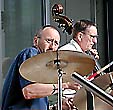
x,y
72,45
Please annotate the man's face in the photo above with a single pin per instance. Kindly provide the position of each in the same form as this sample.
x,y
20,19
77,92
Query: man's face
x,y
89,38
49,40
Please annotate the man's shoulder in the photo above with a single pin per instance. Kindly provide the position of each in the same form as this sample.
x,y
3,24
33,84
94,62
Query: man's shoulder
x,y
27,53
65,47
68,46
29,50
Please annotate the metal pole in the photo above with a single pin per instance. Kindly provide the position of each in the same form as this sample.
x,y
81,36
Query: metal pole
x,y
93,88
59,89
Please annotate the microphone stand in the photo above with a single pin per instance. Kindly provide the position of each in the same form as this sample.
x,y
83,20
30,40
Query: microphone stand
x,y
93,88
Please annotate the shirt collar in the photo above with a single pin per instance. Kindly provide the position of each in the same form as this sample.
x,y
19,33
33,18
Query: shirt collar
x,y
76,45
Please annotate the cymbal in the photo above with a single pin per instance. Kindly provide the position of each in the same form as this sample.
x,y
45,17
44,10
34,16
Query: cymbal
x,y
103,81
43,67
80,99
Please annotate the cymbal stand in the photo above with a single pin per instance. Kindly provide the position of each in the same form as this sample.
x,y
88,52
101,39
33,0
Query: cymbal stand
x,y
90,100
60,89
60,73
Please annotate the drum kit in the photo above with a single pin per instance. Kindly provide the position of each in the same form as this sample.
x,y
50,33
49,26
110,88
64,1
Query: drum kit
x,y
44,68
103,82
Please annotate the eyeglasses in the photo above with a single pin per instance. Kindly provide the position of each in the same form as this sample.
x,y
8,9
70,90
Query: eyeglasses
x,y
92,36
50,41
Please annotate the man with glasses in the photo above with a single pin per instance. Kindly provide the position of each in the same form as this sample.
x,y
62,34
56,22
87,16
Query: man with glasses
x,y
21,94
84,38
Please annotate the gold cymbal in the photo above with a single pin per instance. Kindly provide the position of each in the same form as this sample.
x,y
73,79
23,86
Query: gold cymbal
x,y
80,98
43,68
103,81
80,101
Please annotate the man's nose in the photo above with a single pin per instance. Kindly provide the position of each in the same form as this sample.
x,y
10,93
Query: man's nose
x,y
52,45
95,40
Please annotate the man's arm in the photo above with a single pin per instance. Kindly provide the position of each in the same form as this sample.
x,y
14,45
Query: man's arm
x,y
38,90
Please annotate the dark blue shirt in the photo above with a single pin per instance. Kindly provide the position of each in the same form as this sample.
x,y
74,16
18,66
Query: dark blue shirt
x,y
12,97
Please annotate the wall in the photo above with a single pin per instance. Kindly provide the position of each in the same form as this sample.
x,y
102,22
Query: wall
x,y
101,30
1,42
109,32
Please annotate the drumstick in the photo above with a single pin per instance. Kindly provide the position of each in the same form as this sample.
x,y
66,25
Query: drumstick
x,y
105,67
100,71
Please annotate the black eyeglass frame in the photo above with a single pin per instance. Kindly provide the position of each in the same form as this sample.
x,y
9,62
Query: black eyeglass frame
x,y
93,36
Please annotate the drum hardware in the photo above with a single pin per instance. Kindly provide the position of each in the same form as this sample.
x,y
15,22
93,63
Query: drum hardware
x,y
43,69
109,89
53,107
67,102
47,67
107,83
63,21
67,24
103,82
111,78
93,88
68,93
31,69
60,73
90,101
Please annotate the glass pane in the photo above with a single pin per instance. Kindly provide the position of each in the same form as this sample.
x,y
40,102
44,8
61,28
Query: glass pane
x,y
21,19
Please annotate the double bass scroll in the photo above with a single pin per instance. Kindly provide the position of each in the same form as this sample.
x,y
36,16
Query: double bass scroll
x,y
63,21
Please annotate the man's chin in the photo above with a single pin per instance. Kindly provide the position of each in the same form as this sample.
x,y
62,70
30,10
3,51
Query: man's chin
x,y
50,50
47,50
89,48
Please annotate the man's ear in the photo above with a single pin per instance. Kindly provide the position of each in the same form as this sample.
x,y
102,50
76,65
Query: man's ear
x,y
79,36
35,40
